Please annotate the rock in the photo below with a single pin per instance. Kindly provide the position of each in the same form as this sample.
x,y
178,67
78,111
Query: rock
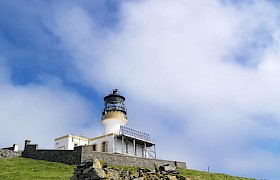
x,y
105,166
182,178
156,167
77,173
174,172
139,178
168,168
169,177
97,169
154,176
125,174
151,172
89,170
134,175
96,164
74,178
112,174
141,174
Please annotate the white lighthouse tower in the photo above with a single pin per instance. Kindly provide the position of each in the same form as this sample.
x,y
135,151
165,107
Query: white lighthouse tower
x,y
117,137
114,113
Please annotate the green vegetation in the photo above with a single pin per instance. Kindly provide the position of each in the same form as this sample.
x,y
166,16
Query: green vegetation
x,y
201,175
23,168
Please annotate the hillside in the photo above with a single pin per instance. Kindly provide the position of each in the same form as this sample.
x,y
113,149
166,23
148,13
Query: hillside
x,y
22,168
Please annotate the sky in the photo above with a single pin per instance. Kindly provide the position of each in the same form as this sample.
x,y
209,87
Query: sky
x,y
201,77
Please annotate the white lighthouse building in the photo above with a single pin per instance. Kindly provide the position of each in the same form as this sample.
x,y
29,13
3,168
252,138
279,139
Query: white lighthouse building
x,y
117,137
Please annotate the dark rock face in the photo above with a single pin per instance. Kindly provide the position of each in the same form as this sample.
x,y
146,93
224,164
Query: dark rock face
x,y
93,170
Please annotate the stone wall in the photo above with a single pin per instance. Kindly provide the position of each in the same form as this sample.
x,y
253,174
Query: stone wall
x,y
8,148
6,153
61,156
124,160
82,153
13,148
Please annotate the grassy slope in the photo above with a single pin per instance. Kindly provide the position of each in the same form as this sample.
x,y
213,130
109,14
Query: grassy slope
x,y
22,168
199,175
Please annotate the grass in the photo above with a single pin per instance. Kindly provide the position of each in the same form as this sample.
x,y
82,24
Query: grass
x,y
24,168
201,175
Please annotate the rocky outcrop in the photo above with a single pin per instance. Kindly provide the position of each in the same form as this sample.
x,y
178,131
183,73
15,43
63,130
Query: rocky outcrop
x,y
93,170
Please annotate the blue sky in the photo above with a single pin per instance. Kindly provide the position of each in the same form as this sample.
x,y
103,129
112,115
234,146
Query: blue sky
x,y
202,77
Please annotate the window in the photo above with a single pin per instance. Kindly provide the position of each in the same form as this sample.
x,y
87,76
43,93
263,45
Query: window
x,y
94,147
61,148
104,146
126,148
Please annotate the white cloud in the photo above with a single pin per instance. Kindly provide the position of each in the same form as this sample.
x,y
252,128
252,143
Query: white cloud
x,y
178,59
40,112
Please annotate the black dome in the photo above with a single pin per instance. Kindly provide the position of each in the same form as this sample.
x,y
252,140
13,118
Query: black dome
x,y
114,97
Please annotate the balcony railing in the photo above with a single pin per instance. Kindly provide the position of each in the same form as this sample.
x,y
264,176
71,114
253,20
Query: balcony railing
x,y
124,130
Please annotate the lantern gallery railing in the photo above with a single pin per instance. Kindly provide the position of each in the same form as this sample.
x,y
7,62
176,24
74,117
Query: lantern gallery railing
x,y
135,134
112,108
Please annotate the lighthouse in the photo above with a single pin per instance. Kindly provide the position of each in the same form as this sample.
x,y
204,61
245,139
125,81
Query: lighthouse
x,y
117,137
114,112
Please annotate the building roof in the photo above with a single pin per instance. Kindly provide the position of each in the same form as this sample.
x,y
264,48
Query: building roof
x,y
71,136
99,137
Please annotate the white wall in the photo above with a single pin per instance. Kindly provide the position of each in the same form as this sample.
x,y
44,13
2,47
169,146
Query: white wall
x,y
114,145
61,144
69,142
128,148
112,125
15,147
98,141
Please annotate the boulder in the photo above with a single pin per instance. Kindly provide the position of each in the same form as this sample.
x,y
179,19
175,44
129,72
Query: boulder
x,y
97,170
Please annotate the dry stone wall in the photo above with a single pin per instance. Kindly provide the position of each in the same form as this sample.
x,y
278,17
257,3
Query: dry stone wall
x,y
124,160
5,153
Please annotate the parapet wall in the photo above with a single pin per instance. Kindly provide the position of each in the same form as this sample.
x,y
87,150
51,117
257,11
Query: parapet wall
x,y
125,160
82,153
61,156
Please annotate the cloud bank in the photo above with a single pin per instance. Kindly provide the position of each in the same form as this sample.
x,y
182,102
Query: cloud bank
x,y
202,77
40,112
208,69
